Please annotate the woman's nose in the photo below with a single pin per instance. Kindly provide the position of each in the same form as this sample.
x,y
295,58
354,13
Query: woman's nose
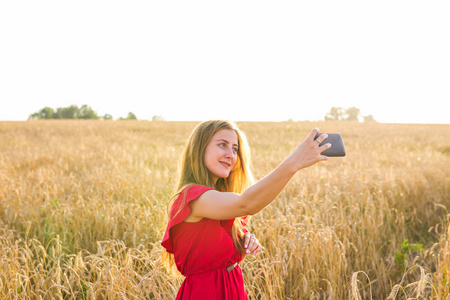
x,y
229,152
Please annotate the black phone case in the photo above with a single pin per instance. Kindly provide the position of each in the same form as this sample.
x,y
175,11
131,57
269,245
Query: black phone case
x,y
337,145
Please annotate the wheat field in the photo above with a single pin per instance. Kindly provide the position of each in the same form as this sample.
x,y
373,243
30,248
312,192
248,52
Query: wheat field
x,y
83,207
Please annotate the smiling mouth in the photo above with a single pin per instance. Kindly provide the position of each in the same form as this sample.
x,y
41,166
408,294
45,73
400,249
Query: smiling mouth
x,y
225,164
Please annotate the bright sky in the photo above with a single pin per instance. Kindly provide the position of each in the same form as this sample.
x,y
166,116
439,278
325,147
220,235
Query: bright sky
x,y
237,60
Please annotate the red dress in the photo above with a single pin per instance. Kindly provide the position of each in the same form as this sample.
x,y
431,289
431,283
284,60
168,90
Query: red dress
x,y
203,250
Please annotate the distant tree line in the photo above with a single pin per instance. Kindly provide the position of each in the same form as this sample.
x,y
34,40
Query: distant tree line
x,y
349,114
74,112
130,116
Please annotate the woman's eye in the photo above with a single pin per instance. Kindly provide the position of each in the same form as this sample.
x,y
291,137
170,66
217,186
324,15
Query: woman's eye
x,y
235,150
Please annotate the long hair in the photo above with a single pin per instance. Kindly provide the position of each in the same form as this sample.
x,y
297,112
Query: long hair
x,y
194,171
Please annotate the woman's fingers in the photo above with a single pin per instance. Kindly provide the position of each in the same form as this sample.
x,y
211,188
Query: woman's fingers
x,y
321,138
312,134
257,247
246,239
250,243
309,152
253,245
324,147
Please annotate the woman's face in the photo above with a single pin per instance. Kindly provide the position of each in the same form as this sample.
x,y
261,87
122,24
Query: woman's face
x,y
221,153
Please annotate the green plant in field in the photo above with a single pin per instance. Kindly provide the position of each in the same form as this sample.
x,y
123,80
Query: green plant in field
x,y
55,203
84,290
444,282
47,227
402,254
446,150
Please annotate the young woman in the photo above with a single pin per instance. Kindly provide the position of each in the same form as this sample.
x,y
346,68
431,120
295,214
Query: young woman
x,y
206,236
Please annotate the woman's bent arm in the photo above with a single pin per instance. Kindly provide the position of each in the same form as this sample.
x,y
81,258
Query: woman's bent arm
x,y
223,206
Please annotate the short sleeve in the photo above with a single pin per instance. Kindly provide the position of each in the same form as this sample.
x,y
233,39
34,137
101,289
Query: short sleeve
x,y
191,193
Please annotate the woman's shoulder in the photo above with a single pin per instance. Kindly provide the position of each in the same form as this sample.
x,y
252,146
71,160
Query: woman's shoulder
x,y
187,194
193,191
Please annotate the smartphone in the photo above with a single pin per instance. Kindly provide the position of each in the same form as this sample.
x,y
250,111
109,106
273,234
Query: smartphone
x,y
337,145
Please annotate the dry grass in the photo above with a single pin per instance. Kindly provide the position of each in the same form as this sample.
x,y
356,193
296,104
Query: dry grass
x,y
83,208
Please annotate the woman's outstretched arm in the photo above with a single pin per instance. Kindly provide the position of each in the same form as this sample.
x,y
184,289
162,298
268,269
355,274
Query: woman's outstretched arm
x,y
223,206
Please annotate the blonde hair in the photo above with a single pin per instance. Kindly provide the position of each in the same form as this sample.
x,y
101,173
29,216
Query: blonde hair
x,y
194,171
